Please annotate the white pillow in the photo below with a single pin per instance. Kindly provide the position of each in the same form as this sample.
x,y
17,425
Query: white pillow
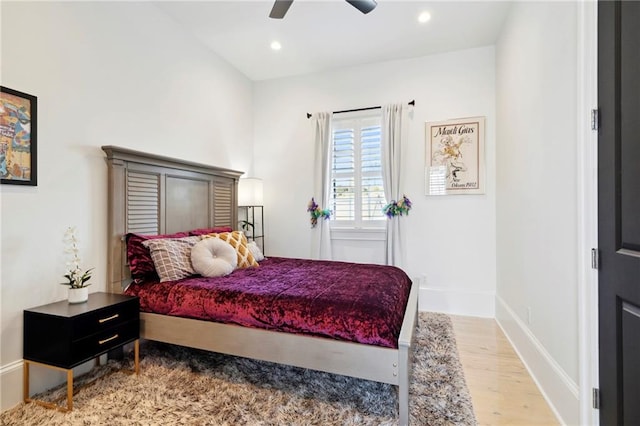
x,y
255,251
213,257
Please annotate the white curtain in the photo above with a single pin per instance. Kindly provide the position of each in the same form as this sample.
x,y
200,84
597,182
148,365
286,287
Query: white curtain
x,y
321,235
394,119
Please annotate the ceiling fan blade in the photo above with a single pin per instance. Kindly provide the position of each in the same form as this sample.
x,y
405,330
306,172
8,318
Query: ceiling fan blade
x,y
364,6
280,8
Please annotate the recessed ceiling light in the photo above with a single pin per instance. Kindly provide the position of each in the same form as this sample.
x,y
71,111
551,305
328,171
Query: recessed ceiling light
x,y
275,45
424,17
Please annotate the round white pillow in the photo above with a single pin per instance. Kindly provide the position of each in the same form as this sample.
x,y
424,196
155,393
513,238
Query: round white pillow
x,y
213,257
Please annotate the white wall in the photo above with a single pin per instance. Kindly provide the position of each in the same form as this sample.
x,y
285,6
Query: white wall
x,y
124,74
104,73
536,208
452,238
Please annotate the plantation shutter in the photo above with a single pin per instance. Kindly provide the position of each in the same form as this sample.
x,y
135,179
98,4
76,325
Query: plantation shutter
x,y
372,190
357,197
343,174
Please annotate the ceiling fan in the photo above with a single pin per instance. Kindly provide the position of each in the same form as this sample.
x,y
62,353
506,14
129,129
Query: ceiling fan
x,y
280,7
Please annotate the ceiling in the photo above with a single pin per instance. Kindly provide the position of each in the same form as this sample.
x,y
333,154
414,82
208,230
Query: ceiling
x,y
322,35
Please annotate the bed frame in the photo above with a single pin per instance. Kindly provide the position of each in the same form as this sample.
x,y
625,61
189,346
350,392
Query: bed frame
x,y
152,194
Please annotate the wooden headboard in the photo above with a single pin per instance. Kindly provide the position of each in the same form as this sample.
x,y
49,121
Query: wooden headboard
x,y
152,194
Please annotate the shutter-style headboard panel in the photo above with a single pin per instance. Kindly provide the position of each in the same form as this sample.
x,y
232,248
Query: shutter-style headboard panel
x,y
143,202
152,194
224,204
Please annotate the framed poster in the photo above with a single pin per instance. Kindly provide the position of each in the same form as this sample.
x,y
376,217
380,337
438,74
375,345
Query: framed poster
x,y
454,161
18,137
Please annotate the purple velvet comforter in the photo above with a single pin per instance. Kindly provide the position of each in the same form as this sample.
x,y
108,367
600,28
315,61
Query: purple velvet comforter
x,y
345,301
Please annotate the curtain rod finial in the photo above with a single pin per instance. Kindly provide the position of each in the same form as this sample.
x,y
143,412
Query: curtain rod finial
x,y
413,102
309,115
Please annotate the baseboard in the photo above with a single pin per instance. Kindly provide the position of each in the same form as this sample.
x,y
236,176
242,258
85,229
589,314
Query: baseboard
x,y
10,385
455,302
559,390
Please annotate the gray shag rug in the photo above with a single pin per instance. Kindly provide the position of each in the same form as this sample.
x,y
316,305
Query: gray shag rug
x,y
182,386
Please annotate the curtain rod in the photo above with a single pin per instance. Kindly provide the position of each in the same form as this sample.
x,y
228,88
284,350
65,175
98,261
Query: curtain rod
x,y
309,115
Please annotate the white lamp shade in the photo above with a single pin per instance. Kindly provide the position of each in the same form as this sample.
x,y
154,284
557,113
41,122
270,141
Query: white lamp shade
x,y
250,192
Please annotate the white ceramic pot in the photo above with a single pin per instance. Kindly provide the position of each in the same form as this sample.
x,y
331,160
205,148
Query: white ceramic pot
x,y
78,295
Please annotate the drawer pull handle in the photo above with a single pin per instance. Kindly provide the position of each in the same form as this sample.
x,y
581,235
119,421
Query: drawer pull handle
x,y
108,318
102,342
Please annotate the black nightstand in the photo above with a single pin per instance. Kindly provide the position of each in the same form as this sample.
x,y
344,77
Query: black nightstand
x,y
62,335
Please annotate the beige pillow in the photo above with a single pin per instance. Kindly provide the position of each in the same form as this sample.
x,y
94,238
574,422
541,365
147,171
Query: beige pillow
x,y
239,242
172,256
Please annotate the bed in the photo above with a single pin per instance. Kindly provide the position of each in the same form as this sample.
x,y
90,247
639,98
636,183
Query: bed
x,y
151,194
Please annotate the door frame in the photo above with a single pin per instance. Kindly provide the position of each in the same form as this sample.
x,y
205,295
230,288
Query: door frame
x,y
587,214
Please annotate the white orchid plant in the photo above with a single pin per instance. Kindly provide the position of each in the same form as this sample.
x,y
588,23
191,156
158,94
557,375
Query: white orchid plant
x,y
76,278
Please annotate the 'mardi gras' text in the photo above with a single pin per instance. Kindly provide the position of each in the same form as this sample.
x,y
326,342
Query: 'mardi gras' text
x,y
455,130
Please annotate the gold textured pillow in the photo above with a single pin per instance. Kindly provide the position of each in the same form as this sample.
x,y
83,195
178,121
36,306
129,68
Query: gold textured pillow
x,y
239,242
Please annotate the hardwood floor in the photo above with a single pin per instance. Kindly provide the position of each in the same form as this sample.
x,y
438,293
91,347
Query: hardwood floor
x,y
502,391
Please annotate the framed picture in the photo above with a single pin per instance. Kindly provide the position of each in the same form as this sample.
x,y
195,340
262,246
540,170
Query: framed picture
x,y
18,137
455,161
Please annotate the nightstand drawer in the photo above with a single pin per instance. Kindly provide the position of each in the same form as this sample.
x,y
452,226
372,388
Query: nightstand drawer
x,y
103,319
99,343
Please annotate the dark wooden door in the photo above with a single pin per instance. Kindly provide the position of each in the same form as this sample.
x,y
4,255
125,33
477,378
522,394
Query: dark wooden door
x,y
619,211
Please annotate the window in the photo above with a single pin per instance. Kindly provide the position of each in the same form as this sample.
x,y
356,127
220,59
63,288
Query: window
x,y
357,191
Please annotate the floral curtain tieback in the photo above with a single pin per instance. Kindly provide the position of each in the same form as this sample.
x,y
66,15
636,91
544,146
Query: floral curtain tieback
x,y
317,212
397,208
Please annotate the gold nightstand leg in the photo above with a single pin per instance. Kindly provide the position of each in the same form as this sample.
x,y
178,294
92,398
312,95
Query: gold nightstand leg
x,y
25,380
136,355
69,390
69,406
